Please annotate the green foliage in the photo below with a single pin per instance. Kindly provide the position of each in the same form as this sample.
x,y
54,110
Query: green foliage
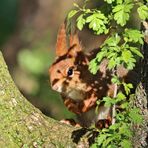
x,y
121,13
135,116
132,35
143,12
121,48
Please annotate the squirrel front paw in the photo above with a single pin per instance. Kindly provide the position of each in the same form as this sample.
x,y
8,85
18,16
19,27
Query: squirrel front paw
x,y
70,122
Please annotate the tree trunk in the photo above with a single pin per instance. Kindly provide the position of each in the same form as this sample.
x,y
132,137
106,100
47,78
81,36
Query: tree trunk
x,y
23,125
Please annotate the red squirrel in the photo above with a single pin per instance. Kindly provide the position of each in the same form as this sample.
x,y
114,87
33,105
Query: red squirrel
x,y
79,88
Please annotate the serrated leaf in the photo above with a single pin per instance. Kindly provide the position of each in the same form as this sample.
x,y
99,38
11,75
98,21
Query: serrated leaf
x,y
108,101
113,40
93,66
101,138
130,65
125,130
136,51
115,80
121,13
114,126
126,88
111,64
80,22
129,85
135,116
100,55
143,12
97,22
72,13
120,96
126,144
132,35
126,55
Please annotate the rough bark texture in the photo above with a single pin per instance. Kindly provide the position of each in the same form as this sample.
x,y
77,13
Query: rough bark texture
x,y
141,101
23,125
140,139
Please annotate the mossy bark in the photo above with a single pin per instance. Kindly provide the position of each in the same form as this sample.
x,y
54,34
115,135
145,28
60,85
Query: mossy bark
x,y
23,125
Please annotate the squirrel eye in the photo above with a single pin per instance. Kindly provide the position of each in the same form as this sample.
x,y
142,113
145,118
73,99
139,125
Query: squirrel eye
x,y
70,71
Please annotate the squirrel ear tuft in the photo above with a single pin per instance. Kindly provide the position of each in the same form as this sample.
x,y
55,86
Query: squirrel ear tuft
x,y
74,40
61,45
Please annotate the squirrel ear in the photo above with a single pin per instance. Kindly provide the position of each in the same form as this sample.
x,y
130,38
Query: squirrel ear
x,y
61,45
74,41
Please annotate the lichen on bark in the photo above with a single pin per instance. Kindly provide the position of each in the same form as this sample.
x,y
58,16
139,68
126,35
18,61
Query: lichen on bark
x,y
23,125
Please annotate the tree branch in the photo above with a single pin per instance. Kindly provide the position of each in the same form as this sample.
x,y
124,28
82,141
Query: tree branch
x,y
23,125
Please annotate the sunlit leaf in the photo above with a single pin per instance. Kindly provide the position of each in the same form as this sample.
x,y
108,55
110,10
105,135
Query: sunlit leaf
x,y
143,12
80,22
72,13
121,13
135,116
126,144
136,51
97,22
132,35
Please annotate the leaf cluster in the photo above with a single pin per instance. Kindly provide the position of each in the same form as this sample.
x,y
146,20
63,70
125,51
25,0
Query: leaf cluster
x,y
121,48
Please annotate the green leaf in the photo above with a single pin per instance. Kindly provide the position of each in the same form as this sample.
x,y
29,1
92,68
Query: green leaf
x,y
120,96
101,138
80,22
115,126
121,13
132,35
113,40
115,80
126,143
97,22
136,51
93,66
100,55
72,13
126,55
131,64
109,1
143,12
125,130
94,145
111,64
124,105
108,101
135,116
119,1
127,87
120,117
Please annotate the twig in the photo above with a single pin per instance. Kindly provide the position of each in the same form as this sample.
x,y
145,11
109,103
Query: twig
x,y
114,106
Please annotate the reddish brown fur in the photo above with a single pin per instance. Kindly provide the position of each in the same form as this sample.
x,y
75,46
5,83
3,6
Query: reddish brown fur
x,y
81,90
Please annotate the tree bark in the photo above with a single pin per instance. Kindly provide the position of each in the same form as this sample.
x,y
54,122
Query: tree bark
x,y
23,125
